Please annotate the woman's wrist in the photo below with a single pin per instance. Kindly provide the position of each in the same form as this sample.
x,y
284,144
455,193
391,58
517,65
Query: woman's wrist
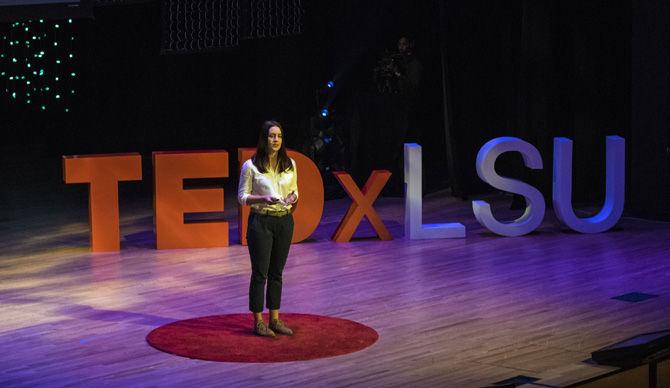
x,y
269,199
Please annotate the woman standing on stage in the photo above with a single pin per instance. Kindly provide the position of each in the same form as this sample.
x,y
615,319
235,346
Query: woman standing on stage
x,y
269,183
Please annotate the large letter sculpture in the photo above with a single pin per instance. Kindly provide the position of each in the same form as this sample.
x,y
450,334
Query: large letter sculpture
x,y
361,205
309,209
103,173
614,186
171,201
414,229
534,213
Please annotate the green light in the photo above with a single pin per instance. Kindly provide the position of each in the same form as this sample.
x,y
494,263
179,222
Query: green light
x,y
43,107
3,73
27,101
41,72
46,88
27,82
69,20
56,78
73,74
57,96
55,43
41,20
11,43
71,56
58,61
26,28
11,78
34,37
28,65
14,60
14,95
71,91
67,110
57,26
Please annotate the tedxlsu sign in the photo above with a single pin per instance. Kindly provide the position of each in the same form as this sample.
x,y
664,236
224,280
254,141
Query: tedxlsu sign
x,y
172,201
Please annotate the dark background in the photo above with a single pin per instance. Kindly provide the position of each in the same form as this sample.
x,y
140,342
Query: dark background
x,y
531,69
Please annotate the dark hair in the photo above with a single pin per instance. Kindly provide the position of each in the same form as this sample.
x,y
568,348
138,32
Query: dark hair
x,y
260,158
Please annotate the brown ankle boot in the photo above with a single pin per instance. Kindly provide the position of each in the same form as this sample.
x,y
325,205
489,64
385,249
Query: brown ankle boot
x,y
279,327
262,330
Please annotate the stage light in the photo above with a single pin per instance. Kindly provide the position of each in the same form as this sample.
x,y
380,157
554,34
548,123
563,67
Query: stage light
x,y
324,112
43,40
330,84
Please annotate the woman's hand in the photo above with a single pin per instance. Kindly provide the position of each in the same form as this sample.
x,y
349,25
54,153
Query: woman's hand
x,y
291,198
269,199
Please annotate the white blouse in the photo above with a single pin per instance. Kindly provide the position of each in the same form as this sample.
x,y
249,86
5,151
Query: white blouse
x,y
278,185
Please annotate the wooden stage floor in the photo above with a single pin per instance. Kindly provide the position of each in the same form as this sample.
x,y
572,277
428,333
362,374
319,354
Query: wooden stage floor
x,y
453,312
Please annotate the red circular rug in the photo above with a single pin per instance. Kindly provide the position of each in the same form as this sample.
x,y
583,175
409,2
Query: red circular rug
x,y
230,338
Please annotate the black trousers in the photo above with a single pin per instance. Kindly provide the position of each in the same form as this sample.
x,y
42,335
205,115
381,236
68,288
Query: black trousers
x,y
269,240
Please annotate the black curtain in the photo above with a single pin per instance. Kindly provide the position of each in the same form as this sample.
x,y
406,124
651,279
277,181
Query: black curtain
x,y
537,70
650,141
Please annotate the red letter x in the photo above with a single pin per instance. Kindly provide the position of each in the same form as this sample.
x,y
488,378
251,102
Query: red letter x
x,y
362,205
